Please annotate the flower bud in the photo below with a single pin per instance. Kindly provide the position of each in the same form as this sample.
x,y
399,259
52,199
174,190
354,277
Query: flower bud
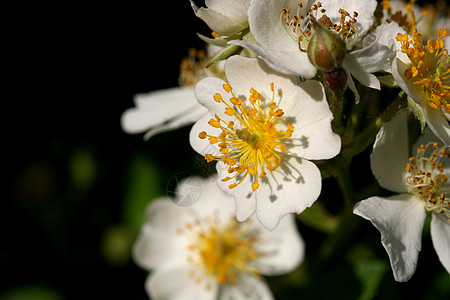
x,y
326,49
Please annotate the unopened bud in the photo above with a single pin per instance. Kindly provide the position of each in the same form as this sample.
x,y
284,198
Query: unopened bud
x,y
326,49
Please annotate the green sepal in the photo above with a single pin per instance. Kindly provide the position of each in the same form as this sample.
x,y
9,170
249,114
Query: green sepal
x,y
249,38
417,111
225,53
388,80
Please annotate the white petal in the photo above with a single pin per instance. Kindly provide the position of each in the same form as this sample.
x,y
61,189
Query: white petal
x,y
363,75
176,284
186,118
247,287
158,108
293,187
400,221
263,55
437,122
283,248
385,35
205,89
202,146
245,198
271,35
226,17
373,58
308,111
365,10
436,119
390,154
158,243
440,234
210,198
352,87
244,73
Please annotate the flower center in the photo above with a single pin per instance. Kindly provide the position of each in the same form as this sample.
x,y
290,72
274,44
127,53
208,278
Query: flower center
x,y
429,67
300,29
221,252
252,144
425,177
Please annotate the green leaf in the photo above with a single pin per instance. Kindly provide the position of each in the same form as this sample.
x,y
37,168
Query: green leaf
x,y
369,273
83,168
142,184
31,292
318,218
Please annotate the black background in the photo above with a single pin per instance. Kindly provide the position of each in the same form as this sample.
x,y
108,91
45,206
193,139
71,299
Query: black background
x,y
69,71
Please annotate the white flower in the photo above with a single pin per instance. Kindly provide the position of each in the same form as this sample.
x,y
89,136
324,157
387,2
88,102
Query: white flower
x,y
263,127
202,252
227,18
162,110
282,31
422,71
168,109
423,186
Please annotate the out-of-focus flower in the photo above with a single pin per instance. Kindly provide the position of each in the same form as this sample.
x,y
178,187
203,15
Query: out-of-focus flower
x,y
227,18
423,186
283,31
168,109
263,127
427,19
202,252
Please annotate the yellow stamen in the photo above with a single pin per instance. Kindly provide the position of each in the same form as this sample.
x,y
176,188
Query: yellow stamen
x,y
429,67
255,144
425,177
221,252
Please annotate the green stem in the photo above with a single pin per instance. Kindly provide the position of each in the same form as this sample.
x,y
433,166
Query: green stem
x,y
367,136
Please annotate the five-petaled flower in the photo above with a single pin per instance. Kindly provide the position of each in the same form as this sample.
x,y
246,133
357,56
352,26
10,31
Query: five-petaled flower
x,y
423,186
263,127
202,252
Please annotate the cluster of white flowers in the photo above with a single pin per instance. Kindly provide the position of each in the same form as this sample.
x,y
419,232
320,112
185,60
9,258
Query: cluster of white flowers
x,y
268,109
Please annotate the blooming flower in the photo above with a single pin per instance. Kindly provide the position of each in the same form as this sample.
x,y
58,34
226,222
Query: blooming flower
x,y
164,110
262,127
422,72
282,30
227,19
202,252
423,186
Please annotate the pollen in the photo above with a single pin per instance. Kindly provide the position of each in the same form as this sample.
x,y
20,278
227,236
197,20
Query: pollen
x,y
429,67
221,251
251,143
425,177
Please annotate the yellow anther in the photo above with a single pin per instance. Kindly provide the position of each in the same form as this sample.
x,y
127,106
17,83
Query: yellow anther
x,y
217,97
209,157
214,123
227,88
